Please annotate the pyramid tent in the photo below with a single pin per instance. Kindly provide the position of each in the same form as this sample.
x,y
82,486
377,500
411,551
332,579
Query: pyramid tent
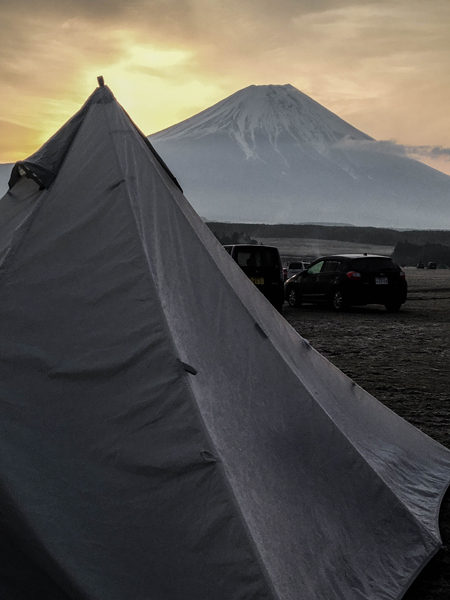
x,y
165,434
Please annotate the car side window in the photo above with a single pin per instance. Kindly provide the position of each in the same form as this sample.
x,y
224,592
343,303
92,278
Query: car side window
x,y
315,268
330,266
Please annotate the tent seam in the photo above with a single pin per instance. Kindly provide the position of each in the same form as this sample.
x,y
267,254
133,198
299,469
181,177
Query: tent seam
x,y
233,499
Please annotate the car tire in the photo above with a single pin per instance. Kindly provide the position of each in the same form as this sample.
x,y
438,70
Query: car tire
x,y
393,306
293,298
338,301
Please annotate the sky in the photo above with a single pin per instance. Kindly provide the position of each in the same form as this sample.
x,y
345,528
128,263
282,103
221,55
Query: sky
x,y
382,65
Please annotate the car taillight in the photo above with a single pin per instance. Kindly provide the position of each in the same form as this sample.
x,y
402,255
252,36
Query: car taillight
x,y
353,275
402,274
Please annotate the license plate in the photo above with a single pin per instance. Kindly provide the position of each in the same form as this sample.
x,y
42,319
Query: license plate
x,y
257,280
381,281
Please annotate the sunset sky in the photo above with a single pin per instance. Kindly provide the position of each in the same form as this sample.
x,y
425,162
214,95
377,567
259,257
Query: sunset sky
x,y
382,65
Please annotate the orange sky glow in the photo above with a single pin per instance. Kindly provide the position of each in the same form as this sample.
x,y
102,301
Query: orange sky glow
x,y
382,65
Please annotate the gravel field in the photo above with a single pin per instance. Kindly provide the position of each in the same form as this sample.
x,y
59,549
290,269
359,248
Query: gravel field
x,y
402,359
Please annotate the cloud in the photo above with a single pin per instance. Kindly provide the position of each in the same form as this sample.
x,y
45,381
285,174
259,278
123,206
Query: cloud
x,y
22,138
436,151
379,64
392,147
310,41
437,157
432,152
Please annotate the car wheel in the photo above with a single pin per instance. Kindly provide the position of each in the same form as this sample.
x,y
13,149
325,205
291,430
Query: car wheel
x,y
293,298
393,306
338,300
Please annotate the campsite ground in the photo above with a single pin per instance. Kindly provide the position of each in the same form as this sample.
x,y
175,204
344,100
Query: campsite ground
x,y
403,360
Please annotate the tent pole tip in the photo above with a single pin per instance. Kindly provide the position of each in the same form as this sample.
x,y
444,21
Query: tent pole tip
x,y
101,81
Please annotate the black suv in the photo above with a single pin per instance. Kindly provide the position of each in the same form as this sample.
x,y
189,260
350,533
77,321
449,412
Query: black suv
x,y
262,265
349,279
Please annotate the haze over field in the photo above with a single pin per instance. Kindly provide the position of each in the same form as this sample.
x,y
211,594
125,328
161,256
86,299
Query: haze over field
x,y
271,154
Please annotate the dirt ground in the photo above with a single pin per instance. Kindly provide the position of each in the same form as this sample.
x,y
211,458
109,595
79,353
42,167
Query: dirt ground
x,y
402,359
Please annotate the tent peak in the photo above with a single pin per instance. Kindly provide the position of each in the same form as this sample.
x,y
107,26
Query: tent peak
x,y
43,165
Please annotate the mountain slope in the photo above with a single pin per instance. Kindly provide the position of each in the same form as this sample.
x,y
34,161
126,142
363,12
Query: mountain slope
x,y
272,154
280,113
5,173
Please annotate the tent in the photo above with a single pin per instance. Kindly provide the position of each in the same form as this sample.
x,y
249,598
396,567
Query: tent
x,y
165,434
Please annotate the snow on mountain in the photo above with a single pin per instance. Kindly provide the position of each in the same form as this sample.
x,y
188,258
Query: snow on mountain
x,y
281,113
5,172
272,154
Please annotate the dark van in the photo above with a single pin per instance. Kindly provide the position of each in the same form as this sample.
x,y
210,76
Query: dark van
x,y
262,265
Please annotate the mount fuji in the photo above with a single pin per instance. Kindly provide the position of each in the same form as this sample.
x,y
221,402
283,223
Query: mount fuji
x,y
271,154
5,173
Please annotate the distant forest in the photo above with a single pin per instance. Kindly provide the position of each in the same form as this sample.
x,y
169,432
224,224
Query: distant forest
x,y
411,246
234,237
413,254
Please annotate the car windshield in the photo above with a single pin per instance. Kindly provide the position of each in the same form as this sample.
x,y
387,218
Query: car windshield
x,y
257,257
375,263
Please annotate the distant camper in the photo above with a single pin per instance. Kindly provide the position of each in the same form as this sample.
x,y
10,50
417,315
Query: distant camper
x,y
262,265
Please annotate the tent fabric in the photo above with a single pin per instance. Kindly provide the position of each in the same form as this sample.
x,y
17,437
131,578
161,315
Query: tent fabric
x,y
165,434
43,165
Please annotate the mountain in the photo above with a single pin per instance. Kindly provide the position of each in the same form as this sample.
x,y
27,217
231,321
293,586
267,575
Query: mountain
x,y
272,154
5,172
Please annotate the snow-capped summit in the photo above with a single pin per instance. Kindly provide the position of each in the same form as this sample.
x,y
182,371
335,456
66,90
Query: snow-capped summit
x,y
270,153
278,112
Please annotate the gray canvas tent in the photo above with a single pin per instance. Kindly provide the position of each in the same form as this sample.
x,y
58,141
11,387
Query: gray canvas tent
x,y
165,434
